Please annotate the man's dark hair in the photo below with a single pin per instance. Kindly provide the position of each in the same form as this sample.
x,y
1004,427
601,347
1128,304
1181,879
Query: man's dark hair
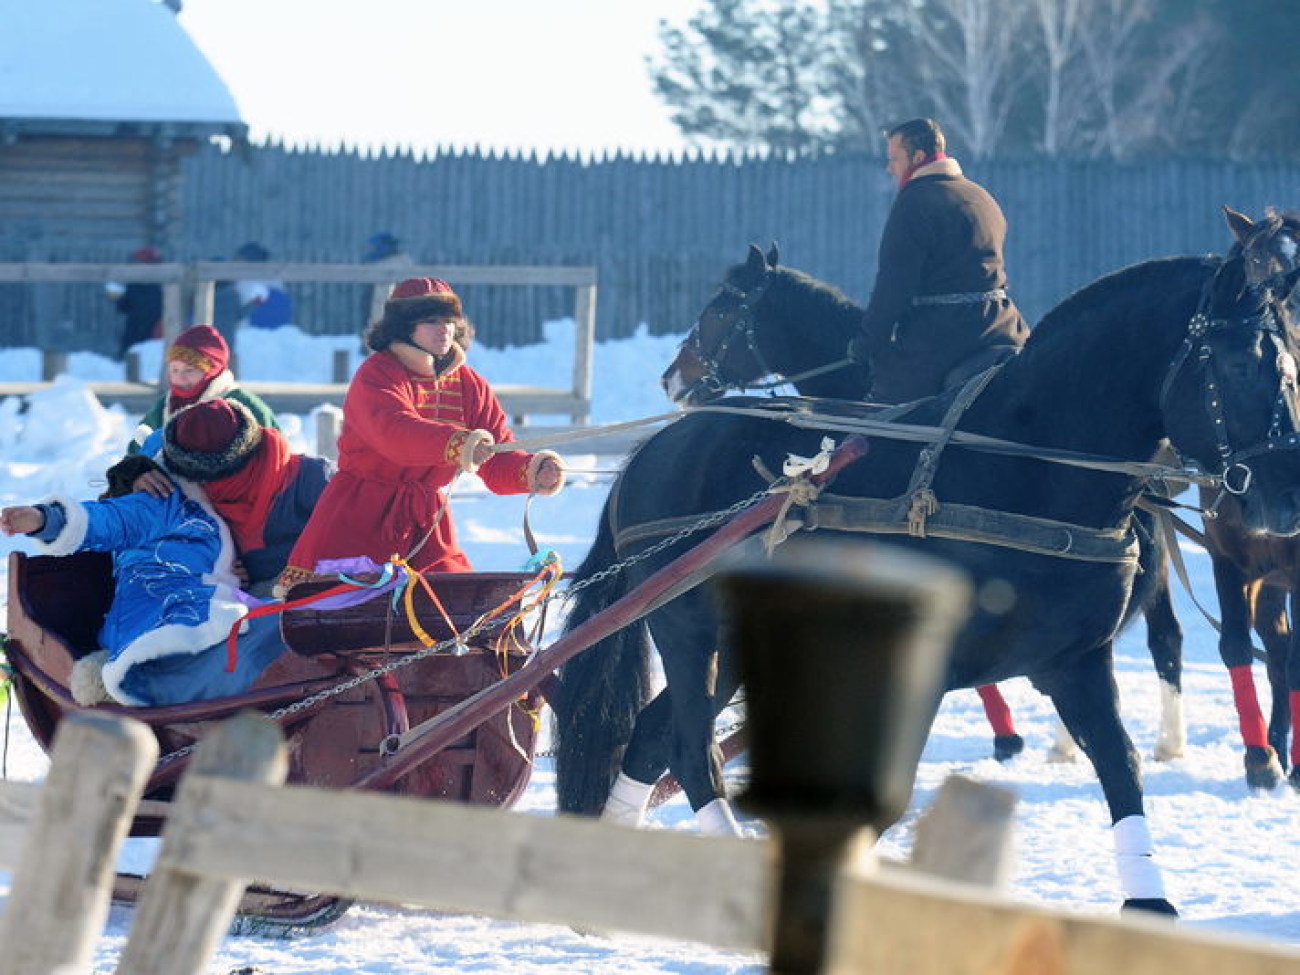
x,y
919,133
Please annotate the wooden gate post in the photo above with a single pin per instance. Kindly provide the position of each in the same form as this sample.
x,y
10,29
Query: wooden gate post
x,y
182,917
843,650
64,881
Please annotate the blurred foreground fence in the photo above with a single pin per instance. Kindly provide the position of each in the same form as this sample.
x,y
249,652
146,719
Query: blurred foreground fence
x,y
63,836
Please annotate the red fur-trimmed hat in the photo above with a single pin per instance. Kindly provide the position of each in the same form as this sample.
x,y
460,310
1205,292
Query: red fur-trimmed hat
x,y
201,347
426,297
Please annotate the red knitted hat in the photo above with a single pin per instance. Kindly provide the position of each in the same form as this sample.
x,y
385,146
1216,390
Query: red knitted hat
x,y
207,427
433,292
203,348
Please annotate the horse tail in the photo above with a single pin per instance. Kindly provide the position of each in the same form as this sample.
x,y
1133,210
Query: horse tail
x,y
600,691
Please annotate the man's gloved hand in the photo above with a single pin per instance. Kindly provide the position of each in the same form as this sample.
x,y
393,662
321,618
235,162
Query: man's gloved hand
x,y
859,350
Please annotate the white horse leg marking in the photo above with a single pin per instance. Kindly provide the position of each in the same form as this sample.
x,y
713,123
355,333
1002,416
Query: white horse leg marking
x,y
1064,749
627,801
1172,740
1139,877
717,819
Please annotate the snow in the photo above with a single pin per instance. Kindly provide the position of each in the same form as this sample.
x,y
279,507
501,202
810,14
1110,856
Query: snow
x,y
1227,854
134,61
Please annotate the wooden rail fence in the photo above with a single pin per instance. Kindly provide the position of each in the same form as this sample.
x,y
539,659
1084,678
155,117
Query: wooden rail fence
x,y
234,822
193,286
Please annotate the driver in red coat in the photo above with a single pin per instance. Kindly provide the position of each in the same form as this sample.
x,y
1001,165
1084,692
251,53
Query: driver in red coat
x,y
414,418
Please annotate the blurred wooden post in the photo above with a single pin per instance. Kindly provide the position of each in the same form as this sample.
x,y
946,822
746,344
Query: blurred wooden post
x,y
342,365
965,835
204,302
133,367
53,364
329,424
182,916
584,315
64,881
843,649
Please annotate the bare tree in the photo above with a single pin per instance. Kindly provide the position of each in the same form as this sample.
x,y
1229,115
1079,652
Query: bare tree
x,y
1143,95
1064,112
964,61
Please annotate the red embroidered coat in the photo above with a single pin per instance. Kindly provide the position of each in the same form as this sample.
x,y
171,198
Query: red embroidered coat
x,y
401,444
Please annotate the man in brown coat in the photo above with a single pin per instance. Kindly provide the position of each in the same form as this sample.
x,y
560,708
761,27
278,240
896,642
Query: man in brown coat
x,y
939,312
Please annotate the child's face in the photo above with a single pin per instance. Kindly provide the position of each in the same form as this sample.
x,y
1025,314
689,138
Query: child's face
x,y
182,375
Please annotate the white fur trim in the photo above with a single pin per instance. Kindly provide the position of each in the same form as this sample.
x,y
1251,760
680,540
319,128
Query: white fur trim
x,y
467,448
627,801
1139,877
87,680
74,532
167,641
535,463
717,819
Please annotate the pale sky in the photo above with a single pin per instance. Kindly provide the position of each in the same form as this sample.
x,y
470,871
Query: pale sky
x,y
552,74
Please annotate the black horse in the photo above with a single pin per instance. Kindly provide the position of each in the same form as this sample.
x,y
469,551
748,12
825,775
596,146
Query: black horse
x,y
770,326
1177,348
1254,574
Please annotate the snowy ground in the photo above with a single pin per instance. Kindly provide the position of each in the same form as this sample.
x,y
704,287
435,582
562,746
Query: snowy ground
x,y
1228,855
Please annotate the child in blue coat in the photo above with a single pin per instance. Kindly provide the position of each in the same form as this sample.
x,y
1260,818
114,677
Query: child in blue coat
x,y
175,599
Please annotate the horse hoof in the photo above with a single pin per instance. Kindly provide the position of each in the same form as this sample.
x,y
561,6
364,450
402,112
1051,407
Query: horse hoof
x,y
1167,751
1294,778
1006,747
1151,905
1263,770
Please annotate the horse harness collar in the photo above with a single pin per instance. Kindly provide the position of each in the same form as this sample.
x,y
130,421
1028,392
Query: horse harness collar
x,y
1235,474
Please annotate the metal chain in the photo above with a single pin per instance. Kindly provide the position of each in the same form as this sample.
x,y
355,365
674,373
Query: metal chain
x,y
405,661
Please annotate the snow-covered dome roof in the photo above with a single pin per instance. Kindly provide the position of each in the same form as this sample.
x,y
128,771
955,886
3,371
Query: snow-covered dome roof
x,y
107,61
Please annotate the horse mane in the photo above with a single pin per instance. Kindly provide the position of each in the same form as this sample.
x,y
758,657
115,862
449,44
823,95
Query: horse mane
x,y
1128,288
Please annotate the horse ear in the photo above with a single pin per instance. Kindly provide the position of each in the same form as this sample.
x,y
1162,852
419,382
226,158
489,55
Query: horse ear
x,y
1240,224
772,257
756,262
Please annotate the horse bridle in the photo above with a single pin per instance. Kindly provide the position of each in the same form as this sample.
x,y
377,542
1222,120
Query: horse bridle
x,y
741,326
1235,473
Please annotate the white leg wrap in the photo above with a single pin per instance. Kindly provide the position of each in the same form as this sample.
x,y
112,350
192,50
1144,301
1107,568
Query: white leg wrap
x,y
1172,741
717,819
627,801
1139,877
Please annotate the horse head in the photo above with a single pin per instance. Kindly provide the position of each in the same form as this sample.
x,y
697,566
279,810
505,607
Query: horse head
x,y
1230,397
1269,248
769,326
720,352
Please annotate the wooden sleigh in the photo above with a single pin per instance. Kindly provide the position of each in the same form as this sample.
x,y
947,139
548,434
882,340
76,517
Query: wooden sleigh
x,y
344,722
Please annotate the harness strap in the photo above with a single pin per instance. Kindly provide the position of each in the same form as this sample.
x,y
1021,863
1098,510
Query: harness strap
x,y
964,523
957,522
924,503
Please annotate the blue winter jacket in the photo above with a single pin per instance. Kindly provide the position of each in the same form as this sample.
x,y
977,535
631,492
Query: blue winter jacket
x,y
175,600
